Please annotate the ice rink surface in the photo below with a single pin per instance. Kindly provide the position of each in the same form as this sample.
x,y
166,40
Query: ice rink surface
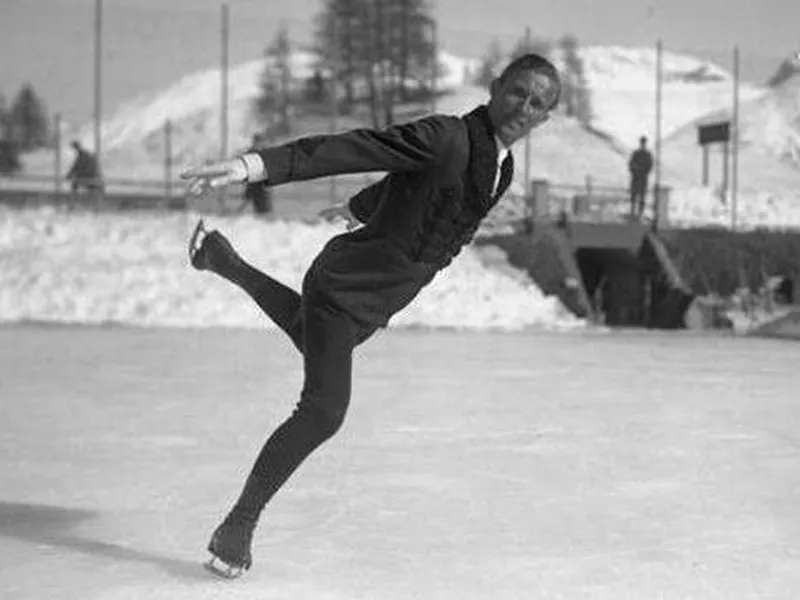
x,y
581,465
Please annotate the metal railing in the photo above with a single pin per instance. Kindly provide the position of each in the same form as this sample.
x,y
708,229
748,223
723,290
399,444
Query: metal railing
x,y
295,200
595,203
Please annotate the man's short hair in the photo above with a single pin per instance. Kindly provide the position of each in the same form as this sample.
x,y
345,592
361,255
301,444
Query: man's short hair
x,y
538,64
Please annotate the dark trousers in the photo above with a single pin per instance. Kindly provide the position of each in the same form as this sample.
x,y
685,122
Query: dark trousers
x,y
638,195
326,338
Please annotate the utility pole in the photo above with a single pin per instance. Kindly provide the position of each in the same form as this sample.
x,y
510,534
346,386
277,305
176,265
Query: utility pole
x,y
735,140
527,168
435,65
659,66
223,125
333,71
98,79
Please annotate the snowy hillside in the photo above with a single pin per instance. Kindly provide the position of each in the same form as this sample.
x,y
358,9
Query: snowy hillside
x,y
135,132
769,150
788,68
771,122
133,137
622,82
131,268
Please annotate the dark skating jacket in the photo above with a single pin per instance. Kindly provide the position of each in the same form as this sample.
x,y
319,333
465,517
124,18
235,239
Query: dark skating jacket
x,y
441,170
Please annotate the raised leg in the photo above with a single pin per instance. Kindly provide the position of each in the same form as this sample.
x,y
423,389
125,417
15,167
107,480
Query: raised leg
x,y
279,302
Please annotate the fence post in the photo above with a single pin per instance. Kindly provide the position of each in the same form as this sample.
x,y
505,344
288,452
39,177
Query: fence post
x,y
539,199
222,193
435,64
661,207
333,99
57,142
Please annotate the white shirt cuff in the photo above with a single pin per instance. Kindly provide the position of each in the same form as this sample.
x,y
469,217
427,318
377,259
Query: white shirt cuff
x,y
256,170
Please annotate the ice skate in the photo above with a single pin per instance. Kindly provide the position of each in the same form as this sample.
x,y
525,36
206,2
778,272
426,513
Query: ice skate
x,y
230,547
208,248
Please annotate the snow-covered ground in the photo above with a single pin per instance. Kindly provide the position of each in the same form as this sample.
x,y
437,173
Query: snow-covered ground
x,y
698,206
533,466
133,268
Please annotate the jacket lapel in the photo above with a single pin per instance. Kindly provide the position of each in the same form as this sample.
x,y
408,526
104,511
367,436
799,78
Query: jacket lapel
x,y
482,164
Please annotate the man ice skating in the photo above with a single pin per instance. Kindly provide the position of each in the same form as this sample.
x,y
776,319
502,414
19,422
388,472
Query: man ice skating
x,y
444,175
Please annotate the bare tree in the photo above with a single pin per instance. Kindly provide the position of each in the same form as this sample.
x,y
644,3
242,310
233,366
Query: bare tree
x,y
490,63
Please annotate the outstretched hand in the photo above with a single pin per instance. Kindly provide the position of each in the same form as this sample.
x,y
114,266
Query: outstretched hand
x,y
214,176
339,211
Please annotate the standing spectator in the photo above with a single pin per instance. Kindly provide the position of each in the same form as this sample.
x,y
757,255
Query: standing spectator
x,y
639,165
84,172
258,194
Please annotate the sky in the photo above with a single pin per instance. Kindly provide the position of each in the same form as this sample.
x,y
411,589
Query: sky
x,y
147,44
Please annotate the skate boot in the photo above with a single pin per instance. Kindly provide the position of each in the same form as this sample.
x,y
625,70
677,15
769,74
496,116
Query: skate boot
x,y
210,252
230,546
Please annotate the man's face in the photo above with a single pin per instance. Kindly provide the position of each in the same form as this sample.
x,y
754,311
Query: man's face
x,y
520,103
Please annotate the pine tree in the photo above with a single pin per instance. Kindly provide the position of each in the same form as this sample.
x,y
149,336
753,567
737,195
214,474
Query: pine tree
x,y
28,117
9,157
5,118
531,44
788,68
9,153
377,46
336,44
490,64
274,102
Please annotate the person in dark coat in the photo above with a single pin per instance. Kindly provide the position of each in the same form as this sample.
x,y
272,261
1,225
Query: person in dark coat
x,y
258,193
639,166
444,175
85,171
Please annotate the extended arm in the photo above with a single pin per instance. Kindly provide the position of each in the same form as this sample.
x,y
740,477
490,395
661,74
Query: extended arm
x,y
414,146
418,145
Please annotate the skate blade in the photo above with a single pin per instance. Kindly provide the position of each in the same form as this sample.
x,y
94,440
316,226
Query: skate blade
x,y
194,246
223,570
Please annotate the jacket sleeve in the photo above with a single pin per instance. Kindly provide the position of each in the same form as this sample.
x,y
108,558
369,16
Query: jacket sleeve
x,y
414,146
